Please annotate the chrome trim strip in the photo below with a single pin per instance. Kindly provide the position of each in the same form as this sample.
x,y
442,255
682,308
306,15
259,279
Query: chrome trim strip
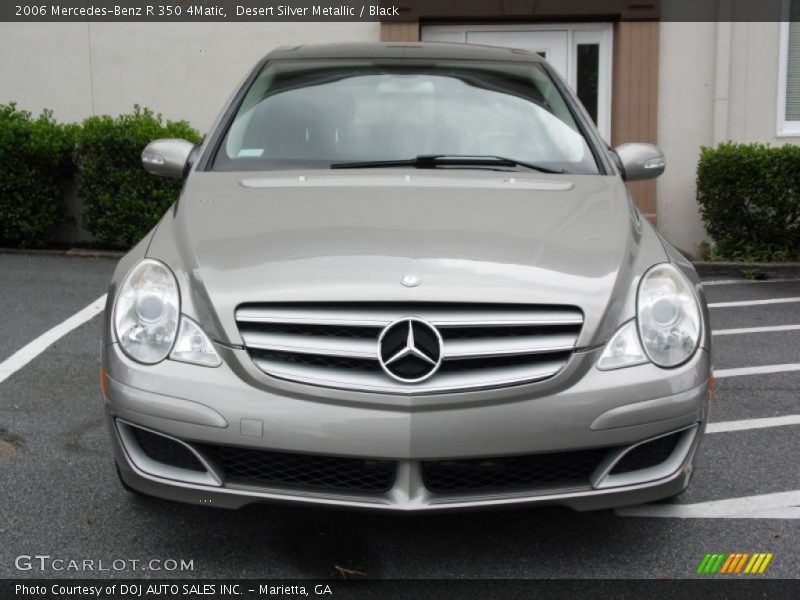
x,y
378,382
380,317
513,181
137,457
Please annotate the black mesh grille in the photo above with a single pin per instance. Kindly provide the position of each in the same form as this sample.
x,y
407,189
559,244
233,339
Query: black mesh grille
x,y
647,455
489,362
318,360
501,331
503,473
246,465
348,331
166,451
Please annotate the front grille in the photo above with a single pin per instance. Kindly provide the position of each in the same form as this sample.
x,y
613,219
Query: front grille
x,y
336,344
286,469
562,469
647,455
166,451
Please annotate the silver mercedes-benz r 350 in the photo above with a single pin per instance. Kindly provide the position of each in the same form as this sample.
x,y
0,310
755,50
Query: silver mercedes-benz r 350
x,y
405,277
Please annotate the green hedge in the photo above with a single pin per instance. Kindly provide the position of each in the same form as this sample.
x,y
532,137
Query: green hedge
x,y
749,196
35,164
121,201
38,156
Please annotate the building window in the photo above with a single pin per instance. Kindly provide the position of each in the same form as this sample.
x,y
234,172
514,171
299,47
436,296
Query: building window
x,y
789,71
587,77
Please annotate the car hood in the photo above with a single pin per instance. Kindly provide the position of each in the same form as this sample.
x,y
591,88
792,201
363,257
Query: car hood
x,y
469,236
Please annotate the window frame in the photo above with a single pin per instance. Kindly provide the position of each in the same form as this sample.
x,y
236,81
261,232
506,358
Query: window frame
x,y
784,127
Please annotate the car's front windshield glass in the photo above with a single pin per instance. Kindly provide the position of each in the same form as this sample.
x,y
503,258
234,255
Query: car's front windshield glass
x,y
301,114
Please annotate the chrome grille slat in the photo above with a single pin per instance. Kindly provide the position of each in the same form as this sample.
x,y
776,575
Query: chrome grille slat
x,y
482,345
366,348
377,382
492,346
306,344
380,317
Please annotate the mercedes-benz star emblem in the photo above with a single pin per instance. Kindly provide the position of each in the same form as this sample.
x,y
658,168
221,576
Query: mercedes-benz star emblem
x,y
410,350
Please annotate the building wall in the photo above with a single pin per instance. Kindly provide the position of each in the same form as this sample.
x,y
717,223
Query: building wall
x,y
686,98
185,71
718,81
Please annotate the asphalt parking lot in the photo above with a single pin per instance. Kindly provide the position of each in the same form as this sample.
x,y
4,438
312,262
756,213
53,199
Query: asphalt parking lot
x,y
61,497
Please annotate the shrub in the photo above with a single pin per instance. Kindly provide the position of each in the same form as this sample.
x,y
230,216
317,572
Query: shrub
x,y
121,201
749,196
35,163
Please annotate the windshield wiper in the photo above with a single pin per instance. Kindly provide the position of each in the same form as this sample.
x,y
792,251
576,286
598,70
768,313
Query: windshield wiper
x,y
434,161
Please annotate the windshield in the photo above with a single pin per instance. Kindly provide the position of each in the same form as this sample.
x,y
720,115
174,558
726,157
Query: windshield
x,y
301,114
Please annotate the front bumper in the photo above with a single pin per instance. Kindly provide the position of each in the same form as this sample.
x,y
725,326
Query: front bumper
x,y
603,410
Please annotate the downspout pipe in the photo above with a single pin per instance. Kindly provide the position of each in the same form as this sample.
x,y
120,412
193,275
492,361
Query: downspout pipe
x,y
722,71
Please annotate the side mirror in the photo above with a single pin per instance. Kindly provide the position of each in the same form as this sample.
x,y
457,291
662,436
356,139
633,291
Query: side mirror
x,y
640,161
167,158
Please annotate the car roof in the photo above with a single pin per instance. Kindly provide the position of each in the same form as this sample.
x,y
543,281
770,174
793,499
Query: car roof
x,y
439,50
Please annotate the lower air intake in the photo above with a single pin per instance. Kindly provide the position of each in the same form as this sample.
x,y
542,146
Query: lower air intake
x,y
647,455
166,451
284,469
563,469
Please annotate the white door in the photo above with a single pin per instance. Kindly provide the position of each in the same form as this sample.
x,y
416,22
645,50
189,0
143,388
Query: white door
x,y
580,52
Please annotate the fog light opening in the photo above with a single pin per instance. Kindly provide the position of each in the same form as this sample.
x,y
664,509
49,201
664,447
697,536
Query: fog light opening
x,y
166,457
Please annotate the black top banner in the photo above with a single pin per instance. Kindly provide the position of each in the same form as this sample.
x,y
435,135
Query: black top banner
x,y
390,10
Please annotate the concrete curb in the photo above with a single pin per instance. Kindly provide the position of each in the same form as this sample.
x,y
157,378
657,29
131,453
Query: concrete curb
x,y
32,251
75,252
89,253
750,270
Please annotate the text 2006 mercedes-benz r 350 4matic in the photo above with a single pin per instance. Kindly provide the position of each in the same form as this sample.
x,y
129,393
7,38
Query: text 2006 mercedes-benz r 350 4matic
x,y
405,277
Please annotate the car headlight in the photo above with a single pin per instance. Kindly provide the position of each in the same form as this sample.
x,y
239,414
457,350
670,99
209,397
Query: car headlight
x,y
623,349
194,346
668,315
147,311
